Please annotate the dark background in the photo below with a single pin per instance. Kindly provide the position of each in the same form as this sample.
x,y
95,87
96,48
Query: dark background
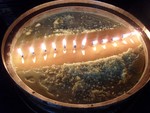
x,y
10,102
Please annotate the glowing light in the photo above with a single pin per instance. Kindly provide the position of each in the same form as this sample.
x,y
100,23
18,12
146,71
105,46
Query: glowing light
x,y
115,38
20,52
74,44
114,44
64,45
54,46
31,49
94,43
83,42
43,46
104,46
104,41
83,52
125,42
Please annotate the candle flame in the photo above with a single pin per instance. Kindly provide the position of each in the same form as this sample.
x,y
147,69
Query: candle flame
x,y
83,52
95,42
115,38
43,46
74,43
54,46
104,41
83,42
20,52
64,43
31,50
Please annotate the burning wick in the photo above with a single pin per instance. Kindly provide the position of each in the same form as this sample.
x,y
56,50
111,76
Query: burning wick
x,y
94,43
32,51
54,47
43,46
64,45
21,54
74,46
83,45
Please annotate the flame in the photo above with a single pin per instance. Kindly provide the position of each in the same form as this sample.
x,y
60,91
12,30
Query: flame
x,y
74,43
20,52
31,50
64,43
83,42
115,38
104,41
54,45
43,46
95,42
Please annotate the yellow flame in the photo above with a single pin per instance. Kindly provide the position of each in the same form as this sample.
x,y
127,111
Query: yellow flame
x,y
43,46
